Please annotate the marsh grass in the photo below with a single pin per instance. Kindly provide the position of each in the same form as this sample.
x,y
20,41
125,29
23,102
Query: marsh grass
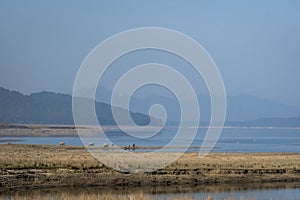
x,y
55,166
46,157
67,157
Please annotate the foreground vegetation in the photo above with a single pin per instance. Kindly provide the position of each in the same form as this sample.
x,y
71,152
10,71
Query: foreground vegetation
x,y
47,166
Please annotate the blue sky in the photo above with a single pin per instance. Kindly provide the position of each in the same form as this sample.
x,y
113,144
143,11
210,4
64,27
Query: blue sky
x,y
255,44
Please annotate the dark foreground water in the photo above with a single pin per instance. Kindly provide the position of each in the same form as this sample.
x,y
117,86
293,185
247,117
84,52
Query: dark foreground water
x,y
231,140
288,191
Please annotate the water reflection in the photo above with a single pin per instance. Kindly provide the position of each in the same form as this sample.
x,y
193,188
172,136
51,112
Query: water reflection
x,y
250,191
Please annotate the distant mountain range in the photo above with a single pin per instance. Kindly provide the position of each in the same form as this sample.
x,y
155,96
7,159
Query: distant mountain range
x,y
241,109
51,108
55,108
269,122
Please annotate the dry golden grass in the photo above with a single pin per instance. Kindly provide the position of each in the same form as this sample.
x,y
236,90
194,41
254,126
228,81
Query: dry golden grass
x,y
57,157
240,161
49,157
48,166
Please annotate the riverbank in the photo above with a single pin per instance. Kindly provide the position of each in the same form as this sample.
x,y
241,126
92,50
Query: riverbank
x,y
33,166
44,130
40,130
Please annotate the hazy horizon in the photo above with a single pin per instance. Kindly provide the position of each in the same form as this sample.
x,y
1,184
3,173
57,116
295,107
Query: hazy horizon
x,y
254,44
146,95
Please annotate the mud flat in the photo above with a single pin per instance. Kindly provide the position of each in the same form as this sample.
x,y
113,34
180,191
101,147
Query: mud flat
x,y
34,130
35,166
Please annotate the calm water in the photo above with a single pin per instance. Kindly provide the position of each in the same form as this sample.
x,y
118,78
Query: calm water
x,y
288,191
231,140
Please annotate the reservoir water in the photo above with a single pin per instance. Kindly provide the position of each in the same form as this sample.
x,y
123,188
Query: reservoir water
x,y
231,140
275,191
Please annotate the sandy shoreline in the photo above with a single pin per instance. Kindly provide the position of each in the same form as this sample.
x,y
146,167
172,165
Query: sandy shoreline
x,y
41,130
33,130
31,166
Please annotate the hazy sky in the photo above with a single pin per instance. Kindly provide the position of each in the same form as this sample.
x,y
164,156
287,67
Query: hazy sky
x,y
255,44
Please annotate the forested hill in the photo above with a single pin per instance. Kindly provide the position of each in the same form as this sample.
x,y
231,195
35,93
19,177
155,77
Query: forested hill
x,y
50,108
